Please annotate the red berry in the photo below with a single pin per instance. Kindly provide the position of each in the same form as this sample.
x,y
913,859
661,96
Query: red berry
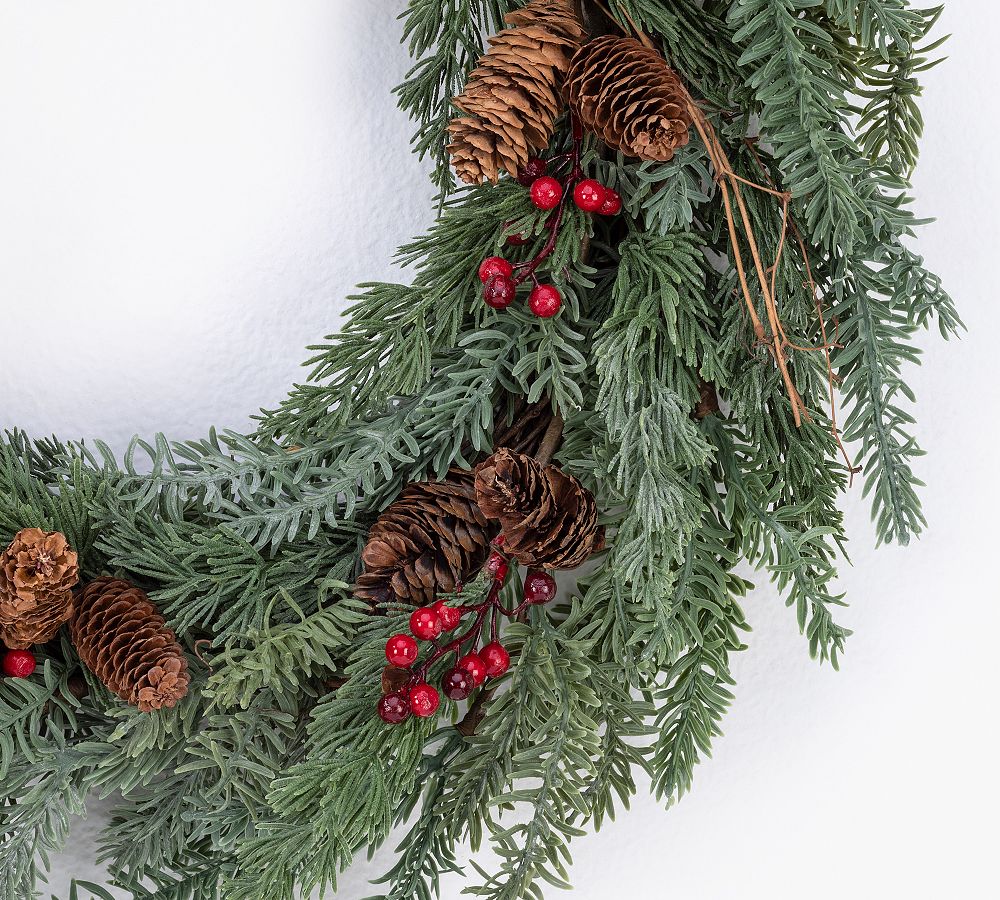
x,y
589,195
496,659
500,291
474,665
494,265
497,566
546,192
424,700
394,708
533,169
425,624
457,684
545,301
449,616
401,650
19,663
539,587
516,240
612,203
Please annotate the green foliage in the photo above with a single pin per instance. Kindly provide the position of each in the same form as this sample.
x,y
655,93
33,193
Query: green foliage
x,y
802,105
665,196
550,768
445,39
891,123
274,771
692,702
281,657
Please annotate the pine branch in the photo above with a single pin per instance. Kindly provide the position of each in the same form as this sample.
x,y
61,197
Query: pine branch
x,y
550,771
802,104
693,700
446,39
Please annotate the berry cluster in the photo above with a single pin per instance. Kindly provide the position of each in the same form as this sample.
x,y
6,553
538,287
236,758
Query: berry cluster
x,y
18,663
500,278
408,692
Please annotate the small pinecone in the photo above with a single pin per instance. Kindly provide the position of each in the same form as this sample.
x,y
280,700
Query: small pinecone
x,y
122,638
629,97
37,573
547,517
430,539
512,98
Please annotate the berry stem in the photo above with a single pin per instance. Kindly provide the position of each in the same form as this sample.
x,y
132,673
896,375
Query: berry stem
x,y
491,603
524,271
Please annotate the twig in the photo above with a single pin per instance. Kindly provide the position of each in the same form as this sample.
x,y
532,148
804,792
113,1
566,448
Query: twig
x,y
550,440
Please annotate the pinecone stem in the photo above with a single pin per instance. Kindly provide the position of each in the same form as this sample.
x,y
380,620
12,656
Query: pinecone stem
x,y
550,440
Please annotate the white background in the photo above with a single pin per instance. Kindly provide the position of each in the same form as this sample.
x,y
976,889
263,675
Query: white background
x,y
188,191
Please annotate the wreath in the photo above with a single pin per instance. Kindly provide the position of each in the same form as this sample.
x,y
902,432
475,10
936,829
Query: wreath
x,y
656,335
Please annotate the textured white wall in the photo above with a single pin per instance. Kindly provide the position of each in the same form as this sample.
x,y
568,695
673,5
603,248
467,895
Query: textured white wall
x,y
187,193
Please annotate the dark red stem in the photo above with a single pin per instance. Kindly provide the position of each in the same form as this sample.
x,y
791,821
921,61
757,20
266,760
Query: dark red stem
x,y
524,271
492,602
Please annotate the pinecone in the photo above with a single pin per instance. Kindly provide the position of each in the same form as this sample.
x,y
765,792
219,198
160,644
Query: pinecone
x,y
430,539
512,98
629,97
122,638
37,573
547,517
434,537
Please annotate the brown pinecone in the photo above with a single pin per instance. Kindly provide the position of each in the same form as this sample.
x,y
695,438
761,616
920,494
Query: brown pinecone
x,y
37,573
629,97
122,638
430,539
512,98
547,517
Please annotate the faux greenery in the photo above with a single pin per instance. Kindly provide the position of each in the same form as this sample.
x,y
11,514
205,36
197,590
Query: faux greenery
x,y
274,772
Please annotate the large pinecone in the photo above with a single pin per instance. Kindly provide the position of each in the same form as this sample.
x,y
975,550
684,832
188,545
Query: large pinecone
x,y
629,97
427,541
513,98
122,638
547,517
37,573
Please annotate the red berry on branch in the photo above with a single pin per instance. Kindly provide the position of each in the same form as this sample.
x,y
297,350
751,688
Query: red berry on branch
x,y
474,665
589,195
394,708
401,650
494,265
545,301
533,168
495,658
449,615
516,240
425,623
497,566
457,684
612,203
424,700
500,291
539,587
546,192
19,663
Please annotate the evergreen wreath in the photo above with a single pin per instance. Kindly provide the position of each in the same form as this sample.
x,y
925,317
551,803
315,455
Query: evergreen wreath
x,y
704,205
